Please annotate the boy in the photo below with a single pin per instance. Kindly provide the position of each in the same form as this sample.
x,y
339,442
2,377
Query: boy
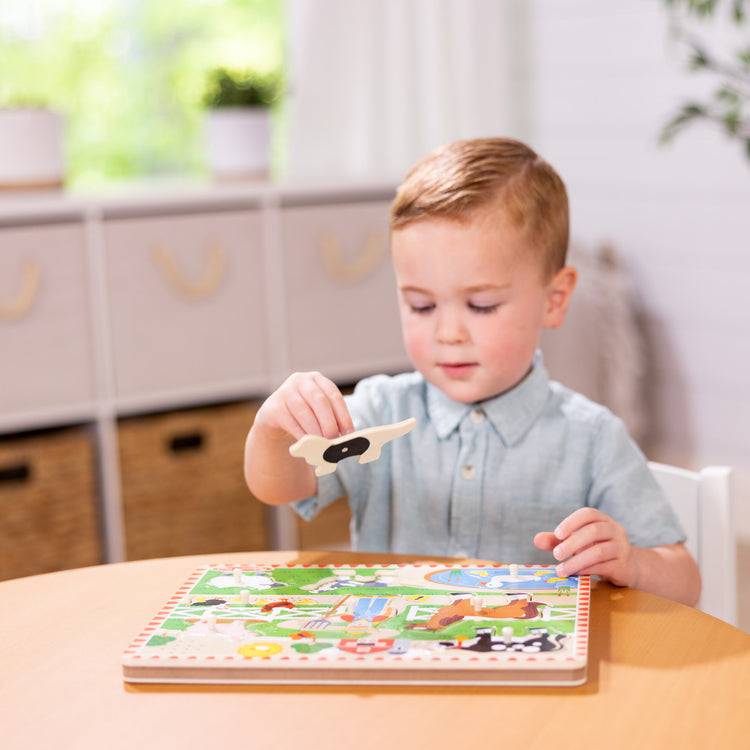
x,y
502,464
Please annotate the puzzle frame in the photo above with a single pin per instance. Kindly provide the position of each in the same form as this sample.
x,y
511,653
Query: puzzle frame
x,y
462,624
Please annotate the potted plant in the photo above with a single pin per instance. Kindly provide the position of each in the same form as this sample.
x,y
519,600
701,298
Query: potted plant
x,y
31,147
728,107
238,124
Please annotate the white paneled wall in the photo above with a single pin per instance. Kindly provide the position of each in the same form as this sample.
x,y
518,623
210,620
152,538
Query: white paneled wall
x,y
604,76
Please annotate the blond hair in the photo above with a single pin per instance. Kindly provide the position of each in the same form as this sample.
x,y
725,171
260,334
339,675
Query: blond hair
x,y
462,178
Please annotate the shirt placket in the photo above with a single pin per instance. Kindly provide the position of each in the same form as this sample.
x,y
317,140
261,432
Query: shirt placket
x,y
466,502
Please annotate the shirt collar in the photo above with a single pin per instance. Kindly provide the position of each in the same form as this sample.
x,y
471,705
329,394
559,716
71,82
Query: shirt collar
x,y
512,413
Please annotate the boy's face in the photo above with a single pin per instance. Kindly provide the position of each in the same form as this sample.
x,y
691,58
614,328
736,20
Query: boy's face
x,y
473,303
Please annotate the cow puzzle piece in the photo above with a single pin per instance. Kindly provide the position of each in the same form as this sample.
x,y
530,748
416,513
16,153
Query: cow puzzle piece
x,y
324,454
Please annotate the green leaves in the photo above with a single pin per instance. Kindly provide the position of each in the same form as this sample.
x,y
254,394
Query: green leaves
x,y
687,114
240,89
705,8
728,107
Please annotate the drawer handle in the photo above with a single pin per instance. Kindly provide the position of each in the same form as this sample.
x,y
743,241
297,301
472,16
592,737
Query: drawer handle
x,y
27,294
193,290
18,473
182,443
357,270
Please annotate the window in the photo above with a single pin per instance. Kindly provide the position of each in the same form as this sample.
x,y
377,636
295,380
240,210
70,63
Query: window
x,y
129,75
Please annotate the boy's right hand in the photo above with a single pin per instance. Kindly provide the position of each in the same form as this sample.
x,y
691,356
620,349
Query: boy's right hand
x,y
307,403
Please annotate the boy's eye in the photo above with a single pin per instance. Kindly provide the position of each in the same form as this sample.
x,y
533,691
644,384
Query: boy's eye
x,y
421,309
483,309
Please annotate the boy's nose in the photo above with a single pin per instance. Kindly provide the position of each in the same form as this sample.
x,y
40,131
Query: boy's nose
x,y
450,329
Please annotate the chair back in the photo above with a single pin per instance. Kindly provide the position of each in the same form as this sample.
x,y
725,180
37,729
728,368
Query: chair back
x,y
702,501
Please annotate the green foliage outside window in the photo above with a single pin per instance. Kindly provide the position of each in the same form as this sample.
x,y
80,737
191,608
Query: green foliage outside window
x,y
130,75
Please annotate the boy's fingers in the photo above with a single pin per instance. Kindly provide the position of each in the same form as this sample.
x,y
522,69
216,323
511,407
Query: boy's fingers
x,y
601,559
315,406
285,421
546,540
298,415
590,535
598,554
321,418
335,400
343,418
576,521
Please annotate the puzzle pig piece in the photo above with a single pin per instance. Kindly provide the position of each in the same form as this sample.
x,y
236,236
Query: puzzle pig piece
x,y
324,454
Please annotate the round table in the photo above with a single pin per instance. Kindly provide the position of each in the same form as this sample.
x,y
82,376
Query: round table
x,y
660,675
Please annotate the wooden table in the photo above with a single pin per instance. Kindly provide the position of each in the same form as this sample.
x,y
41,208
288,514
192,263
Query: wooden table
x,y
661,675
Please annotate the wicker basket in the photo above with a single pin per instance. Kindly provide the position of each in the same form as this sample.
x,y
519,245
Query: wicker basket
x,y
49,517
183,486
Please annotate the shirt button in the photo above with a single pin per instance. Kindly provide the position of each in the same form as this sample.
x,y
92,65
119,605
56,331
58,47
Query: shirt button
x,y
477,416
468,472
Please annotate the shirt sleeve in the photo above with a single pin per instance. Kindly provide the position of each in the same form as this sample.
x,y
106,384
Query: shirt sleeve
x,y
330,489
624,488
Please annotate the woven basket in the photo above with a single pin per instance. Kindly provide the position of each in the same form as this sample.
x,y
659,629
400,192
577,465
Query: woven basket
x,y
48,503
183,487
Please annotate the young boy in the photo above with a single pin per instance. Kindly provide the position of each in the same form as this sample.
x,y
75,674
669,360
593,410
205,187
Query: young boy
x,y
502,464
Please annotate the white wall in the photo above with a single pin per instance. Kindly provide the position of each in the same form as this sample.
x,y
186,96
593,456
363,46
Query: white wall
x,y
373,85
603,77
589,84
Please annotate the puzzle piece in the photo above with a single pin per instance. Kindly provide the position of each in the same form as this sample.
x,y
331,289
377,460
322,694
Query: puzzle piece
x,y
324,454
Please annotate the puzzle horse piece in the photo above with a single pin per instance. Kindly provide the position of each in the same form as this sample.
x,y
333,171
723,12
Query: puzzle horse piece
x,y
324,454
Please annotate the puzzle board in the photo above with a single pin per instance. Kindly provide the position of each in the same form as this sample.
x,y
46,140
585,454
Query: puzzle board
x,y
368,624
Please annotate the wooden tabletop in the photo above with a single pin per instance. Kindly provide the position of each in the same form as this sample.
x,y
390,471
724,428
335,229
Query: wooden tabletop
x,y
660,675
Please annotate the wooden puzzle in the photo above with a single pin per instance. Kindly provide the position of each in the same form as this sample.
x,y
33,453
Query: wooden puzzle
x,y
324,454
368,624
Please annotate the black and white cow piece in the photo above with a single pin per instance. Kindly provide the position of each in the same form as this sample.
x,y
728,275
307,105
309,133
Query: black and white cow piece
x,y
324,454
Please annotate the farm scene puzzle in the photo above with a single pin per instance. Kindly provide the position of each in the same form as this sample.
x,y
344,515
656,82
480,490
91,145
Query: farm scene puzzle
x,y
368,624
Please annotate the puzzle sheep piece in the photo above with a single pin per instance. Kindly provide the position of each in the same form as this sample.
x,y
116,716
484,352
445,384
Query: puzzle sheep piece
x,y
324,454
460,624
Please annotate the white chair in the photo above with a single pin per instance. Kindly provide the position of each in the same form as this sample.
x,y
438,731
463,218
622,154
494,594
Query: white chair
x,y
702,501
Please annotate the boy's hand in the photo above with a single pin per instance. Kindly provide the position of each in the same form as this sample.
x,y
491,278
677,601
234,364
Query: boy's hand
x,y
588,542
307,403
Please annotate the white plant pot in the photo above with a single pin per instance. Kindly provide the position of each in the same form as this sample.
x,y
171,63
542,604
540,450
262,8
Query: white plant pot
x,y
31,149
238,142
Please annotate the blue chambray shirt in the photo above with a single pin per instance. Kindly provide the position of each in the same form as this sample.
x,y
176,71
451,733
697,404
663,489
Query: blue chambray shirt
x,y
480,480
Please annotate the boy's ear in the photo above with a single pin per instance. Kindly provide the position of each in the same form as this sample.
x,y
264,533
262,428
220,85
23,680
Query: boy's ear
x,y
559,293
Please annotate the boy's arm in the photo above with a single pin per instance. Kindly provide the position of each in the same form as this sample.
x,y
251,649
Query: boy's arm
x,y
589,542
306,404
668,571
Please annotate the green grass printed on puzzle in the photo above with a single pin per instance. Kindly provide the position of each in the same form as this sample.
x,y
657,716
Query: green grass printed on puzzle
x,y
294,580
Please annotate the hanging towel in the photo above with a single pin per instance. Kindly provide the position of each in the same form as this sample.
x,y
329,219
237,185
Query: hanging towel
x,y
600,349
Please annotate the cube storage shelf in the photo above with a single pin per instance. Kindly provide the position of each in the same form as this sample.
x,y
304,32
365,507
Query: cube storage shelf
x,y
139,315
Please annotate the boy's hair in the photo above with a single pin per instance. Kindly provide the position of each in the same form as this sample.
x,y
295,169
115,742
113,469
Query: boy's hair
x,y
460,178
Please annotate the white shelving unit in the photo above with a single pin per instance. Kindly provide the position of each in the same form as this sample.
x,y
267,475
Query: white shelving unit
x,y
153,300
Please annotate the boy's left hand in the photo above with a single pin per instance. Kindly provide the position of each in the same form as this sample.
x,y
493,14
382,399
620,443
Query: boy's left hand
x,y
588,542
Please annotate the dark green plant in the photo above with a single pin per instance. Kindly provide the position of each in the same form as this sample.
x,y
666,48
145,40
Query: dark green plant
x,y
228,88
728,107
